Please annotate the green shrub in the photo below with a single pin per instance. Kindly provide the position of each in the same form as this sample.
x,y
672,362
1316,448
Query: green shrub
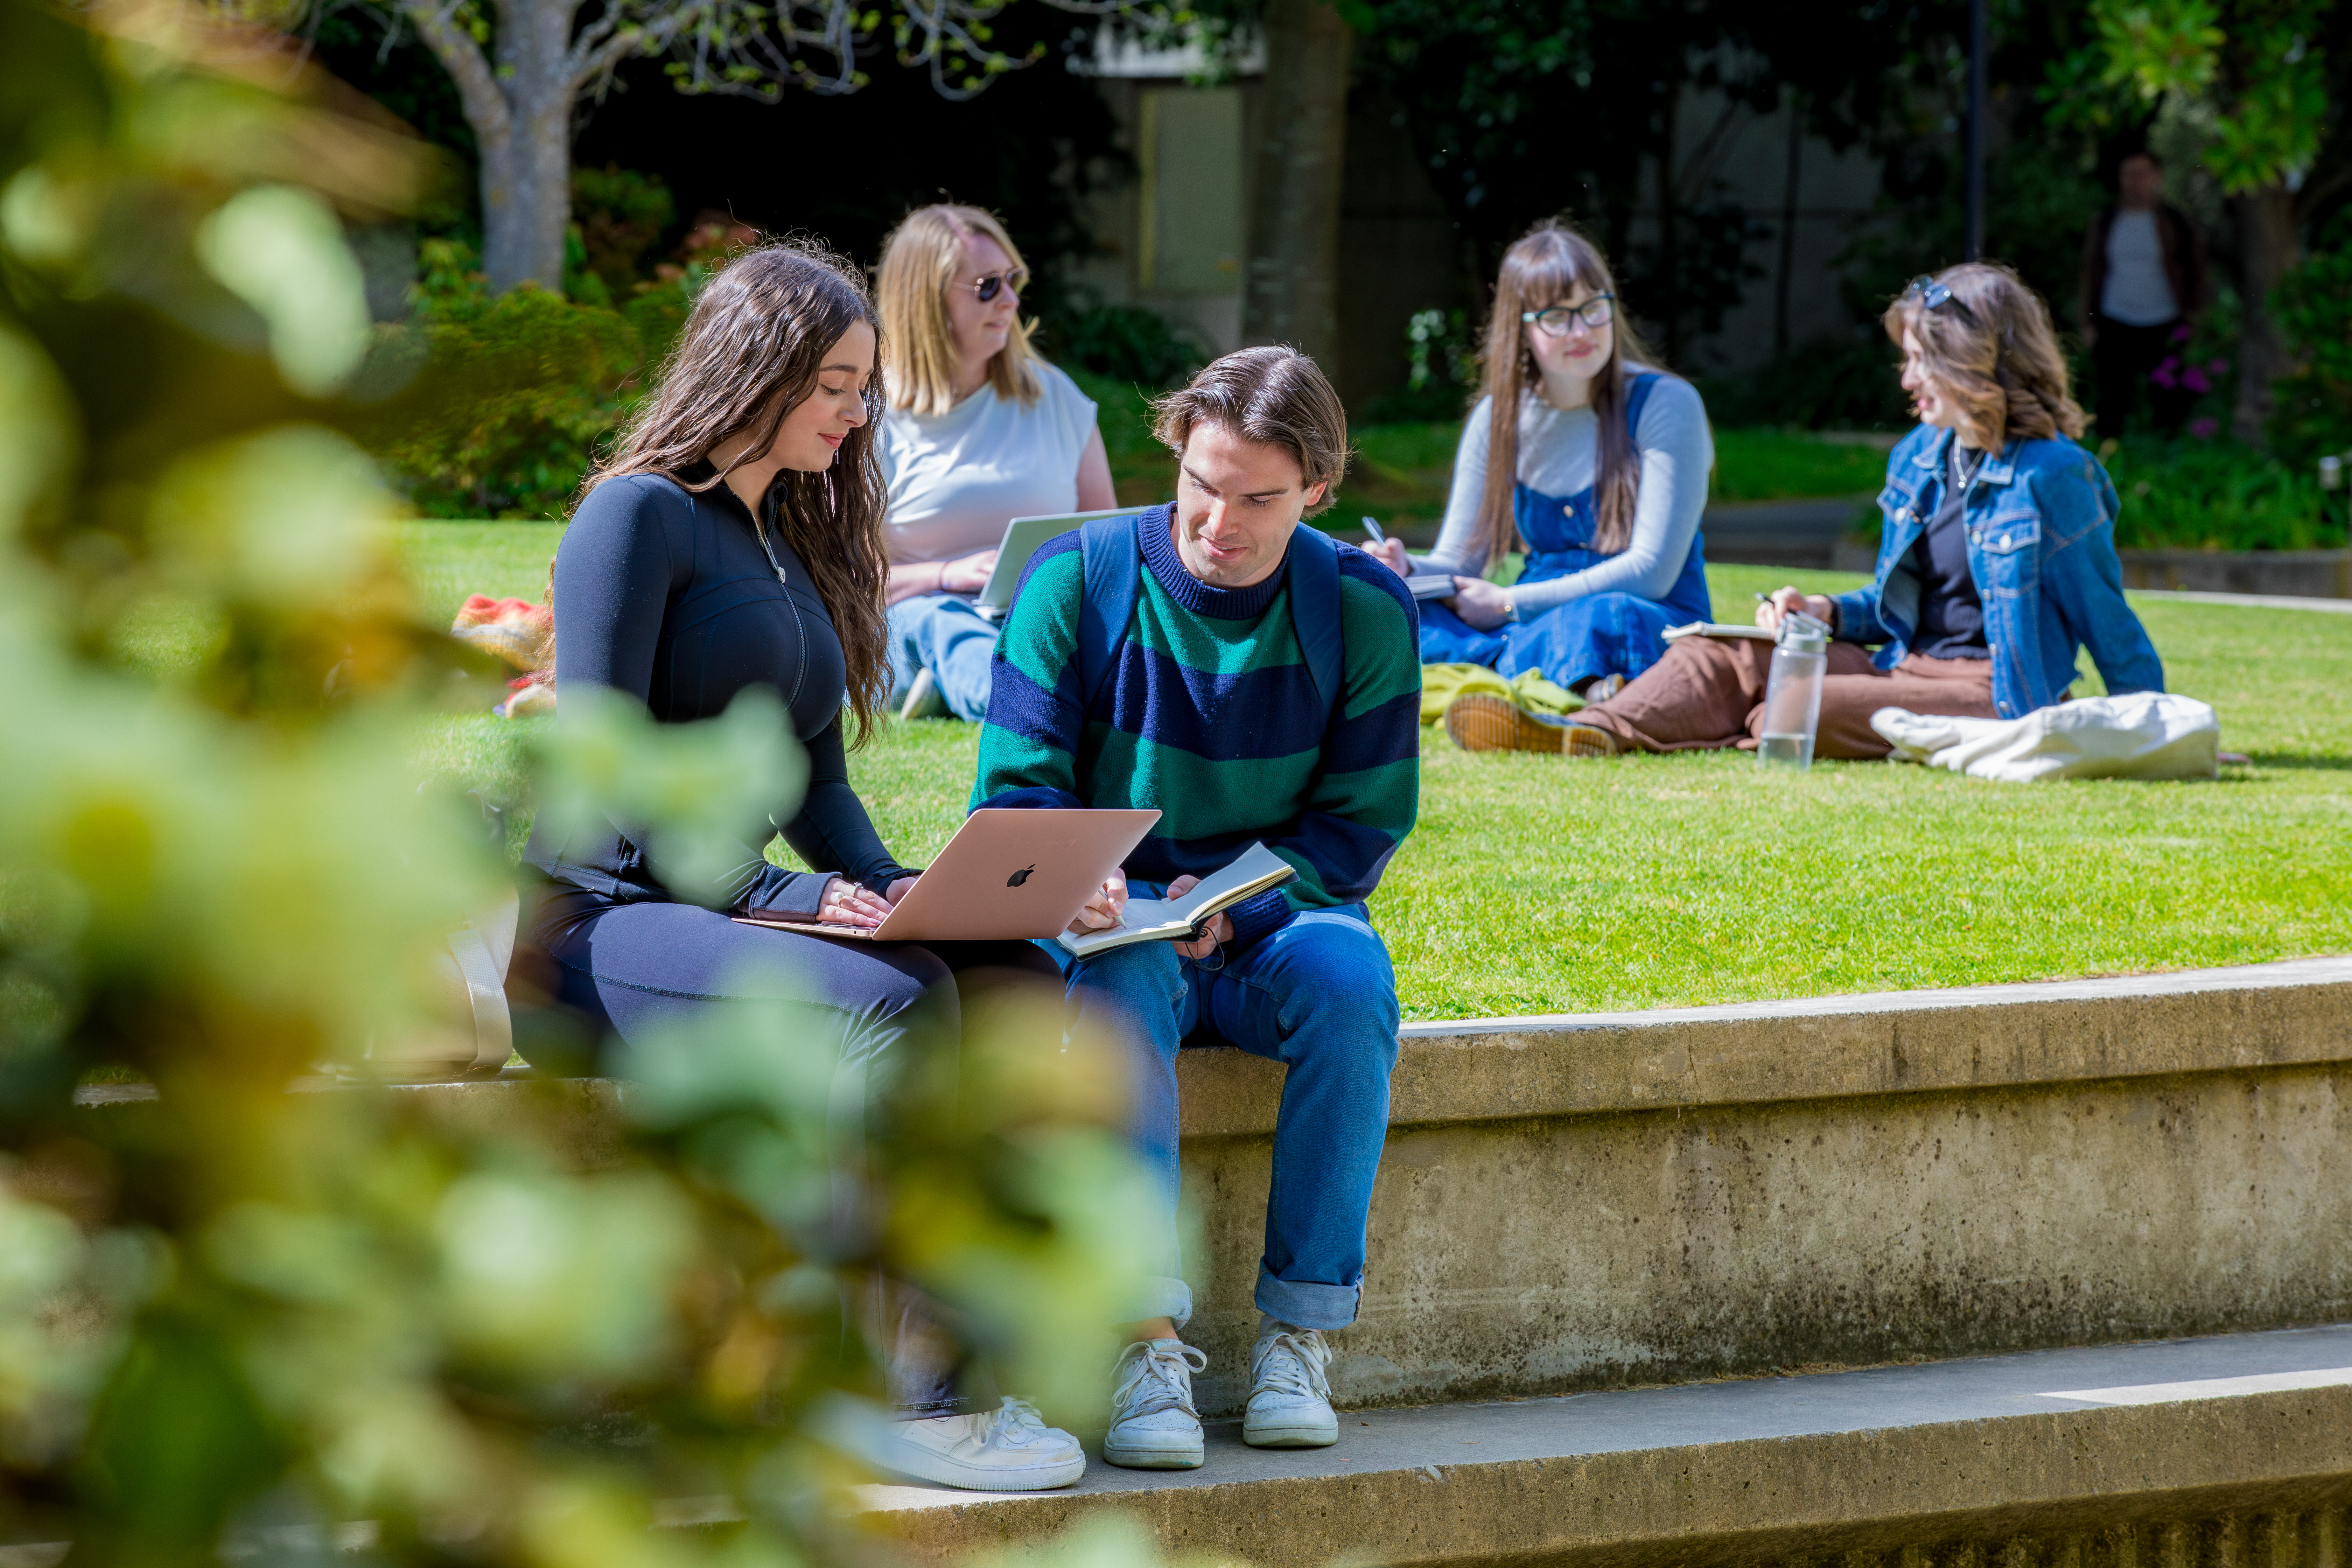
x,y
1126,342
506,397
2215,495
1440,373
1845,381
2312,412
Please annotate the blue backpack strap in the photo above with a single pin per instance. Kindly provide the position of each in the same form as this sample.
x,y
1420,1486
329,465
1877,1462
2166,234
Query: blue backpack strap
x,y
1315,612
1637,396
1111,554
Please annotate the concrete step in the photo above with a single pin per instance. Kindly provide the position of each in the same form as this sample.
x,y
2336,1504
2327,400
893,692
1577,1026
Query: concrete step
x,y
2215,1453
1601,1200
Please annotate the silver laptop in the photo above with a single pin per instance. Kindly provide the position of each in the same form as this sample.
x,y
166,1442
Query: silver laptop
x,y
1023,538
1005,875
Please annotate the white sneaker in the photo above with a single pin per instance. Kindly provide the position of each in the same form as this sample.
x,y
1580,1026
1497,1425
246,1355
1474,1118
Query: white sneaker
x,y
1153,1425
924,698
1009,1450
1290,1398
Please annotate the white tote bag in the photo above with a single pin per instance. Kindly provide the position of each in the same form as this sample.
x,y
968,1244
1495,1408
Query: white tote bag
x,y
2144,735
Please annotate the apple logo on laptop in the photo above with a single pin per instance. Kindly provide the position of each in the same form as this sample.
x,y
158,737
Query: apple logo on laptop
x,y
1019,877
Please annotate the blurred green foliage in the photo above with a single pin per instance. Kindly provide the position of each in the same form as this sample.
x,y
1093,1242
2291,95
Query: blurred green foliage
x,y
235,1317
2312,414
2216,495
498,402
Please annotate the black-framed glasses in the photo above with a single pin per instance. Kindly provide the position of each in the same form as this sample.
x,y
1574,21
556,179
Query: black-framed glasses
x,y
1554,321
1934,296
993,284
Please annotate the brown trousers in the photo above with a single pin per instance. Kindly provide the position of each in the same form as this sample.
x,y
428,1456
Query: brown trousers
x,y
1708,693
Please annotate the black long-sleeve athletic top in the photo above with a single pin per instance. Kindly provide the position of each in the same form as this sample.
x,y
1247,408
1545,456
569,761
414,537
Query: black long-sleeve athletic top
x,y
669,596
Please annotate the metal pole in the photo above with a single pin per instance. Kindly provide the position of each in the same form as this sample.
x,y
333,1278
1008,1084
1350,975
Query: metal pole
x,y
1977,50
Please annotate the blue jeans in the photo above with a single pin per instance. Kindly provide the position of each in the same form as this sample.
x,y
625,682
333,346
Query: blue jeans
x,y
1318,997
944,634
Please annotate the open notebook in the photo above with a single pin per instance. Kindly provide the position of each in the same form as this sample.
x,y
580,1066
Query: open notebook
x,y
1181,920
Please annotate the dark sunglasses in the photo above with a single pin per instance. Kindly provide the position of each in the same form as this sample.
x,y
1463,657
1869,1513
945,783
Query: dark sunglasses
x,y
994,283
1934,296
1554,321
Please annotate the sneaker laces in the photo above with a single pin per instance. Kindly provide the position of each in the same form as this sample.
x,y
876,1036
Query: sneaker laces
x,y
1156,1375
1291,1361
1014,1423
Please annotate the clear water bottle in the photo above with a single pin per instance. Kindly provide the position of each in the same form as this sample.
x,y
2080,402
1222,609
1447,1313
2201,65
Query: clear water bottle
x,y
1792,695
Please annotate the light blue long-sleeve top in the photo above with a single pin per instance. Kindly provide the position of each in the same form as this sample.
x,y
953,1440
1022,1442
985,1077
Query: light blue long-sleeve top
x,y
1558,450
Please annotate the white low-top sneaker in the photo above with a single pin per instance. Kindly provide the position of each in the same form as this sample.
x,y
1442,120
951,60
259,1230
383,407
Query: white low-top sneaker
x,y
1153,1425
1008,1449
1290,1398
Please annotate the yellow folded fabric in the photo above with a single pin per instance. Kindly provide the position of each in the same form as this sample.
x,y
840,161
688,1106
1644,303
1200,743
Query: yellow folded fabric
x,y
1441,683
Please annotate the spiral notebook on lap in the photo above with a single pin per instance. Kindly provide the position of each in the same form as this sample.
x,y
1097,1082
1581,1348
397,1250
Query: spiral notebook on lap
x,y
1728,630
1005,876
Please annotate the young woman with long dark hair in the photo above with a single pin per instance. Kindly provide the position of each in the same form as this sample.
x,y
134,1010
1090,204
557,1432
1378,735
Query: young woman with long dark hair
x,y
1587,458
734,539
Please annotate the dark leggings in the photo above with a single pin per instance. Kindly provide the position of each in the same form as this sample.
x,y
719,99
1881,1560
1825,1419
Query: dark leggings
x,y
624,971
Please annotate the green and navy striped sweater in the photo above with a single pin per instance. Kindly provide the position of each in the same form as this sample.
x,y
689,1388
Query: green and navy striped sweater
x,y
1210,714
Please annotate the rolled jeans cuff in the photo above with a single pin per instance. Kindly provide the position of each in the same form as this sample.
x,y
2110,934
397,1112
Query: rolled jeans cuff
x,y
1160,1296
1306,1305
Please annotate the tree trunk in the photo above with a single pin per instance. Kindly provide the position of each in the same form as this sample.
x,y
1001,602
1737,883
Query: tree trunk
x,y
2266,249
527,189
1293,232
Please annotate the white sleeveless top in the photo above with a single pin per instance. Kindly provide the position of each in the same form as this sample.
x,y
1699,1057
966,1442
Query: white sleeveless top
x,y
955,479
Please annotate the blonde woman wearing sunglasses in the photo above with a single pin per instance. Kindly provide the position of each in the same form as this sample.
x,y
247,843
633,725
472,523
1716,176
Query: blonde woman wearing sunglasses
x,y
980,430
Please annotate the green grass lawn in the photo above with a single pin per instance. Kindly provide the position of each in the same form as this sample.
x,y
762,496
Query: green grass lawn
x,y
1539,885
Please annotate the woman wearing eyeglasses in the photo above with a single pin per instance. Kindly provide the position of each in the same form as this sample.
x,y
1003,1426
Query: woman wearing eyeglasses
x,y
1996,561
980,431
1593,463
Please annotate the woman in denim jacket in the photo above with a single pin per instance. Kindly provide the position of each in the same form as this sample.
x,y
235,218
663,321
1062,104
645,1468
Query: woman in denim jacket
x,y
1996,561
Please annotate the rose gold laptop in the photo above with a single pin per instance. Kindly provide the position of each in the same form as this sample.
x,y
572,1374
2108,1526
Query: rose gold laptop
x,y
1004,875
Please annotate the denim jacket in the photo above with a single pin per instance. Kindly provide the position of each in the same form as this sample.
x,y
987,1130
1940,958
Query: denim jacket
x,y
2040,519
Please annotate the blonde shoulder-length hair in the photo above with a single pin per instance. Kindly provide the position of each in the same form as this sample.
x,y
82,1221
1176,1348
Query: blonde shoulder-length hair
x,y
1991,350
1542,268
920,261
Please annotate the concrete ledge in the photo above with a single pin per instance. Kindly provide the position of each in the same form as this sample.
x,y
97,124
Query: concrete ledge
x,y
1604,1200
1967,1463
1896,1042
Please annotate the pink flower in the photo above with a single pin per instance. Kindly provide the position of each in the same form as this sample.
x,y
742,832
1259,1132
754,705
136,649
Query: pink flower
x,y
2204,429
2194,380
2219,368
2166,374
2180,333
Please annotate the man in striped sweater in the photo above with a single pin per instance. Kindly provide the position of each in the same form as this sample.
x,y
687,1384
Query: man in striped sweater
x,y
1228,707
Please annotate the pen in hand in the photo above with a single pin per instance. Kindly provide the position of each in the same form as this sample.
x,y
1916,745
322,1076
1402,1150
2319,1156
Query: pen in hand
x,y
1373,529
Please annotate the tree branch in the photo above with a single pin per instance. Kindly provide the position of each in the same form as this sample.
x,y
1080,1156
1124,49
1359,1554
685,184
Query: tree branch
x,y
486,106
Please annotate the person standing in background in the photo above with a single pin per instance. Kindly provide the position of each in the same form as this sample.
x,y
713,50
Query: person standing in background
x,y
2143,289
980,431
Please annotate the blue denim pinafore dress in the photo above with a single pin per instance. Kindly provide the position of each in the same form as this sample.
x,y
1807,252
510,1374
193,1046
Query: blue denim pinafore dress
x,y
1596,635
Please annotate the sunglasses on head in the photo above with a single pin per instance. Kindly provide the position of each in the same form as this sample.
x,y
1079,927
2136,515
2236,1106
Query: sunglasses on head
x,y
988,287
1934,296
1554,321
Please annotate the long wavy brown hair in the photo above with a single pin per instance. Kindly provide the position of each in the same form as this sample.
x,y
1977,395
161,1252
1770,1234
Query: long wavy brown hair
x,y
1993,349
1543,267
748,356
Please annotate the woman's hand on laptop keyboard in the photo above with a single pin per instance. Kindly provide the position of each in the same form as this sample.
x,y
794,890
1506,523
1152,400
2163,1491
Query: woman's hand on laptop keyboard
x,y
847,904
1102,911
968,575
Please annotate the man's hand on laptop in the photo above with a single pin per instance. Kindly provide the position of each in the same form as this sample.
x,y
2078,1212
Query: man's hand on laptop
x,y
968,575
847,904
1102,911
1220,929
